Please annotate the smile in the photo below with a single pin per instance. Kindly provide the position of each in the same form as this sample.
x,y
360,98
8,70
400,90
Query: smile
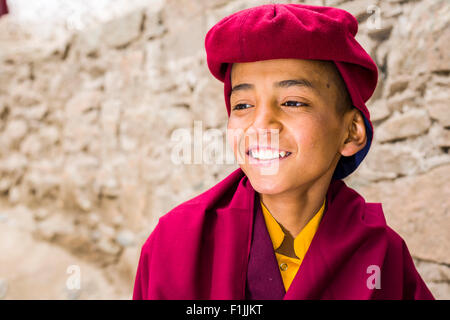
x,y
266,154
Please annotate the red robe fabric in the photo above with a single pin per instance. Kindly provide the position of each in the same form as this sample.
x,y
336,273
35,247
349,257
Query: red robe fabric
x,y
200,250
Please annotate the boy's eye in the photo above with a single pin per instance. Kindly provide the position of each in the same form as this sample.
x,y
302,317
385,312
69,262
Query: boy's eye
x,y
290,103
241,106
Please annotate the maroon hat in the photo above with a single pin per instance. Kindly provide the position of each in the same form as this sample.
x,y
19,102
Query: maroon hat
x,y
296,31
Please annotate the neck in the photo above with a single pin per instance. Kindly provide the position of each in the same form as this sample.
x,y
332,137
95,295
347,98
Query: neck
x,y
293,209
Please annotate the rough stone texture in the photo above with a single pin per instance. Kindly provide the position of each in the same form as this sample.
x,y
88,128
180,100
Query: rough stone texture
x,y
411,123
34,269
91,99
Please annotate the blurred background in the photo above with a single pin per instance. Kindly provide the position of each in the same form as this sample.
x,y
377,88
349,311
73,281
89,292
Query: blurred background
x,y
91,92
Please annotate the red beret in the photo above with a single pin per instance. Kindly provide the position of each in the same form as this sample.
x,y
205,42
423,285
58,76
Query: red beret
x,y
296,31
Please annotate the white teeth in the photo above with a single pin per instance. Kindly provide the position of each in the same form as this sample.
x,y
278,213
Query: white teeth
x,y
267,154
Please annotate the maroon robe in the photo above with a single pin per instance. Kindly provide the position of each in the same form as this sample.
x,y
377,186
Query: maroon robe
x,y
202,250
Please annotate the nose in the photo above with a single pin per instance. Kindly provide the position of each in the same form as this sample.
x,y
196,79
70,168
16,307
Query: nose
x,y
266,122
266,116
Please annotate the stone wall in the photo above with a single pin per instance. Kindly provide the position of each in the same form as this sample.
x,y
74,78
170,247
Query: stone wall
x,y
89,101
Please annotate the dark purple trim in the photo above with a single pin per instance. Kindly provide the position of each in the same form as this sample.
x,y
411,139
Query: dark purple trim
x,y
264,280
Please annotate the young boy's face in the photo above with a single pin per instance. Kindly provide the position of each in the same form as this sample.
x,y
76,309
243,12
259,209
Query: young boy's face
x,y
287,134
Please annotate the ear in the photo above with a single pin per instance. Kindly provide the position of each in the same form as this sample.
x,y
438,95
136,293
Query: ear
x,y
355,137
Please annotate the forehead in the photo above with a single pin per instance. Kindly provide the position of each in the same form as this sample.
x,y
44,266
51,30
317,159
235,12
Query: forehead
x,y
316,71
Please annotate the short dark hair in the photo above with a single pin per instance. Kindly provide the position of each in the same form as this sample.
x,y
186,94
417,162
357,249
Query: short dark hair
x,y
344,102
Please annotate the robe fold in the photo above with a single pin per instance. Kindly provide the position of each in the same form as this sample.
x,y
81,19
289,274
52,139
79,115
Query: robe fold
x,y
207,248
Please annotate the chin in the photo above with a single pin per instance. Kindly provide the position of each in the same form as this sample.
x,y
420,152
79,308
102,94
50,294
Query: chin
x,y
267,184
268,189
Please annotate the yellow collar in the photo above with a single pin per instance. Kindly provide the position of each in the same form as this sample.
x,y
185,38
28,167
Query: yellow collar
x,y
303,239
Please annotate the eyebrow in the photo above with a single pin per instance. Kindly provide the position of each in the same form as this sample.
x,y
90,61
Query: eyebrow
x,y
281,84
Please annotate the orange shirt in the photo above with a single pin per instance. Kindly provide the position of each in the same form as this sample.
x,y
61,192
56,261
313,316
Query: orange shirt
x,y
289,266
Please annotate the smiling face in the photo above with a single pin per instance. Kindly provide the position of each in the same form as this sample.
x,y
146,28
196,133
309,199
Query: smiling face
x,y
285,117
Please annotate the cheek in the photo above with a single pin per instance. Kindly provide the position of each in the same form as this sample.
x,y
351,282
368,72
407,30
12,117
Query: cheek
x,y
314,137
308,137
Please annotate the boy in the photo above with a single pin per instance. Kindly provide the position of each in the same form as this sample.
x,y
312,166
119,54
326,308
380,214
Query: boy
x,y
284,225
